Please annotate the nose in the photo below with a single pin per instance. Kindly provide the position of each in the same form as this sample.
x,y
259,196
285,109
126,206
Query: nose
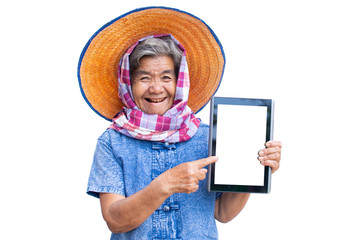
x,y
156,87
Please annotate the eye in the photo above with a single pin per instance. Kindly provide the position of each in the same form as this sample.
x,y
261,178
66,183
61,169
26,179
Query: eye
x,y
168,78
144,78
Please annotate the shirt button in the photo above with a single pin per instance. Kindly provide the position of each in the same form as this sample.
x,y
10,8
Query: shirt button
x,y
166,144
166,208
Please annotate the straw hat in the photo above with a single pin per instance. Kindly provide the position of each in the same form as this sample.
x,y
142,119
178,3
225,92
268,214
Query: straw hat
x,y
98,64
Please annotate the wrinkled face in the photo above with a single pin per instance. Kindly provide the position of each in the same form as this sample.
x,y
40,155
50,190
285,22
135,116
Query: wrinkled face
x,y
153,84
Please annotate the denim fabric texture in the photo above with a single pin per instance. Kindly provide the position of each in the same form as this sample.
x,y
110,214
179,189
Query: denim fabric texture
x,y
125,165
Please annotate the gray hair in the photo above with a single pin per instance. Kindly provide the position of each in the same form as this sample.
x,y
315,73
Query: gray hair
x,y
155,47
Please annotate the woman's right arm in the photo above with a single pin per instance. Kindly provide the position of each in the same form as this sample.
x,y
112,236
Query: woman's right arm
x,y
123,214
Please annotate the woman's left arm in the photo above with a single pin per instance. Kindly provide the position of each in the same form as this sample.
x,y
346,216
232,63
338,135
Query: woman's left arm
x,y
229,205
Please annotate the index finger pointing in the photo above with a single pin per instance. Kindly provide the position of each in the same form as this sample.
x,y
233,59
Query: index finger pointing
x,y
206,161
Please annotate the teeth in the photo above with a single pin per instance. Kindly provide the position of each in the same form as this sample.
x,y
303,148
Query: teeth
x,y
156,100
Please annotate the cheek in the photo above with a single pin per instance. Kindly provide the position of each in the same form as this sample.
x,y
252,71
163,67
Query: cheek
x,y
137,92
172,90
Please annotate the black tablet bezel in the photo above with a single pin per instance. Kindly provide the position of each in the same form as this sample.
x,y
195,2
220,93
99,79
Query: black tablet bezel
x,y
215,101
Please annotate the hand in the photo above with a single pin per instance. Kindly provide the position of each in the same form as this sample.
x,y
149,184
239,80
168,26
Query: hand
x,y
271,155
185,177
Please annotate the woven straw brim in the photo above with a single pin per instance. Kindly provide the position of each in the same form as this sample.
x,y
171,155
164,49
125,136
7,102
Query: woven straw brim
x,y
99,60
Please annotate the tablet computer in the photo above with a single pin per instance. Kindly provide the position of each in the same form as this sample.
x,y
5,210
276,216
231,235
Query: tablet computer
x,y
239,128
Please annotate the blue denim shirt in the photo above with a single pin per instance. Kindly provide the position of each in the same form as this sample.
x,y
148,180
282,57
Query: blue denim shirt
x,y
124,165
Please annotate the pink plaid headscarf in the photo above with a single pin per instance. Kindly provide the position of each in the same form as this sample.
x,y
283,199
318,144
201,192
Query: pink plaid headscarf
x,y
178,124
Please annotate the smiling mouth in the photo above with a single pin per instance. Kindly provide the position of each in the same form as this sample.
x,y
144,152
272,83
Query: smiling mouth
x,y
155,100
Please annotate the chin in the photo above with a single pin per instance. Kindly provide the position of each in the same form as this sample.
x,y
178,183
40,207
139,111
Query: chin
x,y
158,111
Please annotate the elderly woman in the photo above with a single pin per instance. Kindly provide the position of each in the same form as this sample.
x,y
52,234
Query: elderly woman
x,y
149,166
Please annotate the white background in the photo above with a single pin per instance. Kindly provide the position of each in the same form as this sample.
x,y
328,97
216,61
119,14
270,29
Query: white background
x,y
304,54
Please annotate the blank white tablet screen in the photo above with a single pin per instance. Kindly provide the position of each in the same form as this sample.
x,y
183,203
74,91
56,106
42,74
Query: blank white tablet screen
x,y
240,134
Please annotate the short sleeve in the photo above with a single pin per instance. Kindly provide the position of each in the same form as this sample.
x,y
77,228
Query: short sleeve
x,y
106,174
